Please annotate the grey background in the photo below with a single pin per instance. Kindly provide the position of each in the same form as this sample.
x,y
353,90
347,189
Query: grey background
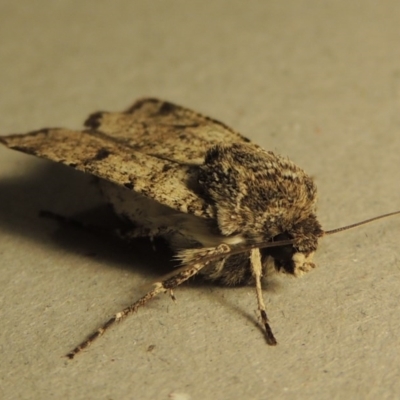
x,y
316,81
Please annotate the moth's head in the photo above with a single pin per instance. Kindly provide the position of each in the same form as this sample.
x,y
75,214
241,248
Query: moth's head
x,y
289,259
297,258
294,250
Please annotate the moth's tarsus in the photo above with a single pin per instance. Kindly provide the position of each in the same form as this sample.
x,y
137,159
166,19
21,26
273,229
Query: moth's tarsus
x,y
172,295
219,200
268,331
88,341
270,336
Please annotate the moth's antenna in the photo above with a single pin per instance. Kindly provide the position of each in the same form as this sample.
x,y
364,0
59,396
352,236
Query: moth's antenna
x,y
367,221
192,256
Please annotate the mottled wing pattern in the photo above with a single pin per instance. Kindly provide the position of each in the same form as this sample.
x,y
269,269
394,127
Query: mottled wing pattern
x,y
163,129
92,152
151,148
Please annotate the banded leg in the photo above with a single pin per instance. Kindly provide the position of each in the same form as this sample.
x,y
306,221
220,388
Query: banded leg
x,y
160,287
255,261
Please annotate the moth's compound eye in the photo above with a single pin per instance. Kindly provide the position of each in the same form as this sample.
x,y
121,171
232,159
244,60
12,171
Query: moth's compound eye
x,y
288,259
282,253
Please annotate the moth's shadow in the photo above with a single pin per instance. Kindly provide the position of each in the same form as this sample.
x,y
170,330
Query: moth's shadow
x,y
56,188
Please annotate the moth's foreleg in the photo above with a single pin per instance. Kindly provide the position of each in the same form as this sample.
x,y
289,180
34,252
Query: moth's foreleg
x,y
163,286
127,235
256,269
62,219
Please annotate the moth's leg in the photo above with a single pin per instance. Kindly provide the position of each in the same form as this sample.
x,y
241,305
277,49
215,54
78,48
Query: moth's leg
x,y
256,269
126,234
160,287
68,221
172,295
140,232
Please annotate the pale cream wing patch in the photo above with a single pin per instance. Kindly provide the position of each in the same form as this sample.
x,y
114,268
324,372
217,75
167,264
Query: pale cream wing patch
x,y
166,182
165,130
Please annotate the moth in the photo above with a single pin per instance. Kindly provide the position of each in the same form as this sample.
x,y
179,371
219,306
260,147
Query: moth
x,y
232,211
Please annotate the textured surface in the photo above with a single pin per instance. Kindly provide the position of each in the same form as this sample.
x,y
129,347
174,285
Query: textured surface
x,y
316,82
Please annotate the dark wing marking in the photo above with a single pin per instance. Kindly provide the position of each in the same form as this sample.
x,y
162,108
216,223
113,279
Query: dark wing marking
x,y
93,152
163,129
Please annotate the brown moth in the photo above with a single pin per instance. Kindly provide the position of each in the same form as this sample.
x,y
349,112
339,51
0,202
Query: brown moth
x,y
231,211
